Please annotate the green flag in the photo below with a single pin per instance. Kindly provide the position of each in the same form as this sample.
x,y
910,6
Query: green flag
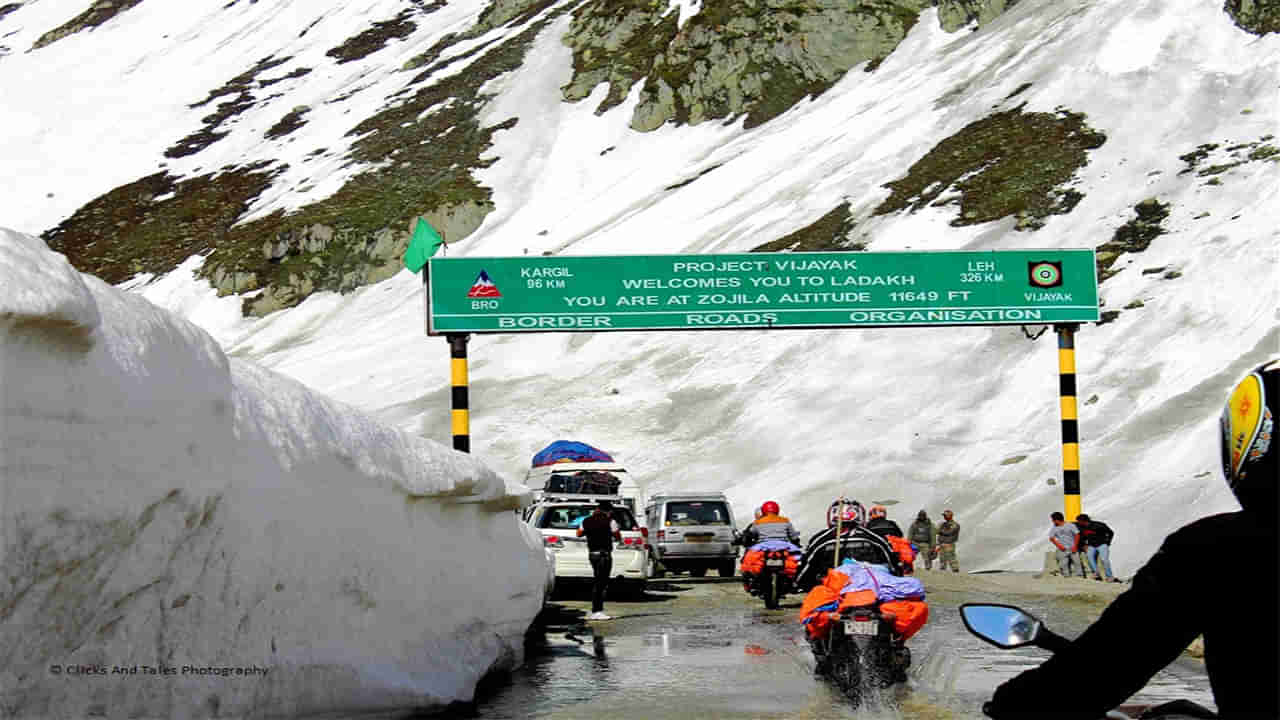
x,y
424,244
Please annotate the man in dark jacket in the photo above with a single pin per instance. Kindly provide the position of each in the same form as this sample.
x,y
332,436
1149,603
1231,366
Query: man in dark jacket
x,y
880,523
1095,538
1151,623
601,531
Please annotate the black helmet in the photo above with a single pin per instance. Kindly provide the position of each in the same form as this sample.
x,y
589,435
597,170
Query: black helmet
x,y
1248,425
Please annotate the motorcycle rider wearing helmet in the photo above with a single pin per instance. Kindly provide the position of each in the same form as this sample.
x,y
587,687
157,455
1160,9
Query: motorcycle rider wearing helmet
x,y
880,523
1149,625
770,525
856,542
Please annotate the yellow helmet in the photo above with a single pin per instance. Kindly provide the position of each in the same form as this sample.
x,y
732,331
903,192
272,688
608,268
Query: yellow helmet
x,y
1248,427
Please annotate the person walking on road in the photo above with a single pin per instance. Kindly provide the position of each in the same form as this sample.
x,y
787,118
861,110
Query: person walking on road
x,y
601,531
1095,538
948,535
925,537
1065,537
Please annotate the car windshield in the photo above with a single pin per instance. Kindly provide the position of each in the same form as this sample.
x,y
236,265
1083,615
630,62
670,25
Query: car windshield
x,y
570,517
700,512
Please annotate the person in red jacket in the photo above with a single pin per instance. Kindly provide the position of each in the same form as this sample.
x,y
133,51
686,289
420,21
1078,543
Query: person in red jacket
x,y
1151,623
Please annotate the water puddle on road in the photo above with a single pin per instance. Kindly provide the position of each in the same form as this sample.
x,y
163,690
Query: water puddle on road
x,y
704,663
721,665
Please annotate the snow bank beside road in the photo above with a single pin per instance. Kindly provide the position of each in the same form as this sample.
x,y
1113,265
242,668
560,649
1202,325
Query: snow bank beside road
x,y
164,505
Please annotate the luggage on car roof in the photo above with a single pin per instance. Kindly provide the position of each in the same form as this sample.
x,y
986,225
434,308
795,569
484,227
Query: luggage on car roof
x,y
569,451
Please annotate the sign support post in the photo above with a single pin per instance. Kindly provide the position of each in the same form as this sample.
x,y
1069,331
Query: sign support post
x,y
1070,419
458,379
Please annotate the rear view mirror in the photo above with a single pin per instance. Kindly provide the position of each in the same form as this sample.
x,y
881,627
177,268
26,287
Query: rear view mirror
x,y
1004,626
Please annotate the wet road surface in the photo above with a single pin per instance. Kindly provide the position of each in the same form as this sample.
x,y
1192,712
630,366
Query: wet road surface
x,y
701,648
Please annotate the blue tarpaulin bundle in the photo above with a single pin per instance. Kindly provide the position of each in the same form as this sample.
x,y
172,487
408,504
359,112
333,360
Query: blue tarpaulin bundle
x,y
569,451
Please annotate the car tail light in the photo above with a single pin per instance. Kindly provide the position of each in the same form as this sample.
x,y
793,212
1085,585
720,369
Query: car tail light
x,y
662,534
644,533
552,541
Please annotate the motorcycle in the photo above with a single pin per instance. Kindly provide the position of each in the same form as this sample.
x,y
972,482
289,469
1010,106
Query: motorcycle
x,y
863,650
772,582
1008,627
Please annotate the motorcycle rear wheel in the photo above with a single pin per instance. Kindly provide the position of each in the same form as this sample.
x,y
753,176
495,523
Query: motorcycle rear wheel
x,y
772,592
846,670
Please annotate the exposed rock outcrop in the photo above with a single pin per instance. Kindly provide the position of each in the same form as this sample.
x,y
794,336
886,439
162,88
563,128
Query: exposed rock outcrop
x,y
1256,16
98,13
1009,163
322,257
1133,236
955,14
756,58
829,232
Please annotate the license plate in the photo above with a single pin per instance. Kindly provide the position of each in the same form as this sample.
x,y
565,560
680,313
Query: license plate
x,y
774,563
859,627
697,538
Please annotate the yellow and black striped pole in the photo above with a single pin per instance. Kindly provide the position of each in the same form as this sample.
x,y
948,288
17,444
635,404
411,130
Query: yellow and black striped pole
x,y
1070,420
458,379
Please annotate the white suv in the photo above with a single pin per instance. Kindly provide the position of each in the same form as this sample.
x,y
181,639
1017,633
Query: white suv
x,y
558,519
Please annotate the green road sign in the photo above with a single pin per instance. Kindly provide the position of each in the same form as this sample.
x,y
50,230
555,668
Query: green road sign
x,y
760,290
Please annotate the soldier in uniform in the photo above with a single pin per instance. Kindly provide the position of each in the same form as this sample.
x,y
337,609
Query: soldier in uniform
x,y
948,534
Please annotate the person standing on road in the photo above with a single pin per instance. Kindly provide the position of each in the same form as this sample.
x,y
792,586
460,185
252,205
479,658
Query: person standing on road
x,y
1095,538
601,531
925,536
1078,556
1065,537
948,535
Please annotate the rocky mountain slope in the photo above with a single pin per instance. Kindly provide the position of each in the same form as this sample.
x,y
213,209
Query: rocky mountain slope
x,y
414,150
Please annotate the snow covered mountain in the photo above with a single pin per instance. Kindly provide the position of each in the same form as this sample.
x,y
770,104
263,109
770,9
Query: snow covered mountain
x,y
270,158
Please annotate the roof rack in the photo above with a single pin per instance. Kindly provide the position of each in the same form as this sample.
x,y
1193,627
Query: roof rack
x,y
579,497
709,493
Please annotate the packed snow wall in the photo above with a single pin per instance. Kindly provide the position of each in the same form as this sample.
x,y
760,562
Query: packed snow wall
x,y
184,534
